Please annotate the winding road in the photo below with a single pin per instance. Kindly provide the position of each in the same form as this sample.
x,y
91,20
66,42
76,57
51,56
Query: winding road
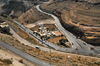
x,y
77,43
45,43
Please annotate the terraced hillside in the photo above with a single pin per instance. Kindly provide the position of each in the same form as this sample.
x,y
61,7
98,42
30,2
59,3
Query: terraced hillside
x,y
80,18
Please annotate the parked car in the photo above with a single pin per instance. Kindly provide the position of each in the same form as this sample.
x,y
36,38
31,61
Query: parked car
x,y
84,43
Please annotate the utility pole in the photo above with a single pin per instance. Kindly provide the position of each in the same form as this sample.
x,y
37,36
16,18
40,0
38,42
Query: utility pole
x,y
50,56
50,48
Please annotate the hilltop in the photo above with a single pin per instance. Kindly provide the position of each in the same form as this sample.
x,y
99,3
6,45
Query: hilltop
x,y
15,8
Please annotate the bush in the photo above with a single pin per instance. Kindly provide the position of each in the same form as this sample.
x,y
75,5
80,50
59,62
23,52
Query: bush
x,y
5,30
78,31
90,54
7,61
21,61
97,63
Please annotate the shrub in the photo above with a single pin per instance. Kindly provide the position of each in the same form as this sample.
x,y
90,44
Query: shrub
x,y
97,63
90,54
21,61
7,61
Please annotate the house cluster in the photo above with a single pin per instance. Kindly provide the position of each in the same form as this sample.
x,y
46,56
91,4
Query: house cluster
x,y
44,31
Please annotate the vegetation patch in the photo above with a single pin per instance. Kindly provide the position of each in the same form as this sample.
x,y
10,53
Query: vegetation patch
x,y
21,32
55,58
6,62
14,5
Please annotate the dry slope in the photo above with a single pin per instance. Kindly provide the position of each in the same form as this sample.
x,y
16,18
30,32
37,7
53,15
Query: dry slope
x,y
31,16
78,17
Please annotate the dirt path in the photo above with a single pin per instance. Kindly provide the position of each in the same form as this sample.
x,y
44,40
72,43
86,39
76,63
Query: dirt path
x,y
48,21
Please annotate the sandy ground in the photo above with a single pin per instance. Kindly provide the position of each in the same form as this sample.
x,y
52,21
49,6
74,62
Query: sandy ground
x,y
5,54
48,21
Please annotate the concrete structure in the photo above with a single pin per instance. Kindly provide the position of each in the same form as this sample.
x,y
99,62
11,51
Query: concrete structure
x,y
4,24
44,32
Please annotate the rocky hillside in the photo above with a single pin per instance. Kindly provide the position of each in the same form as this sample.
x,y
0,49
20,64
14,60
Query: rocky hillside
x,y
91,1
32,15
35,2
80,18
15,8
1,4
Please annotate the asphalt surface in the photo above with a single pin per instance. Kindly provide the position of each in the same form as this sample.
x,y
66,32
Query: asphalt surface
x,y
45,43
24,55
22,40
77,43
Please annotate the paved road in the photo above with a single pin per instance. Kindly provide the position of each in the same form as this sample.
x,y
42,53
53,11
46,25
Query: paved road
x,y
32,45
24,55
45,43
82,49
20,39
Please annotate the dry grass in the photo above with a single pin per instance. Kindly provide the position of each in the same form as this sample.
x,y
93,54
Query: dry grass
x,y
5,62
57,59
35,28
22,33
56,39
49,26
32,15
